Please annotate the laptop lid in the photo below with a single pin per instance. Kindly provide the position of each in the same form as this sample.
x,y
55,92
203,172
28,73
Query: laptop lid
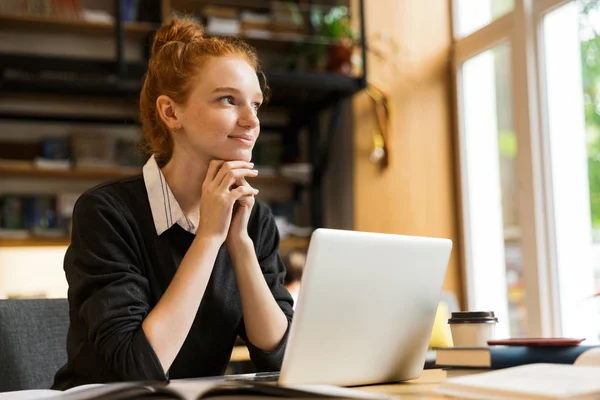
x,y
365,309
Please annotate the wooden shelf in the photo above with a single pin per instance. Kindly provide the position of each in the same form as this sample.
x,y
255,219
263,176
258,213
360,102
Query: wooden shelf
x,y
98,81
30,117
286,244
63,24
257,5
196,5
29,171
21,170
35,242
276,38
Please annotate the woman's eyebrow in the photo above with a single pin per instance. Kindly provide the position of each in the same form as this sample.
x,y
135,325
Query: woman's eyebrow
x,y
226,89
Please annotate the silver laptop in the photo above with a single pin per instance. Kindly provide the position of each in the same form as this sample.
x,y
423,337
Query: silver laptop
x,y
365,309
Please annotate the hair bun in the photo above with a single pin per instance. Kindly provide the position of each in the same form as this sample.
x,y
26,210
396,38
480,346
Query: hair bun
x,y
184,30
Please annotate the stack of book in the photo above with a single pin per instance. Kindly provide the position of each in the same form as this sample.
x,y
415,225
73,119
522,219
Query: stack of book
x,y
82,149
43,8
36,215
458,361
221,20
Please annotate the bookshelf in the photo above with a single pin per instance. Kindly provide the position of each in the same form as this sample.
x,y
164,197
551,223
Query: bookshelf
x,y
301,90
55,24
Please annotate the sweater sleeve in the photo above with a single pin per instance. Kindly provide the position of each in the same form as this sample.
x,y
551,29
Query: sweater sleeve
x,y
267,250
107,289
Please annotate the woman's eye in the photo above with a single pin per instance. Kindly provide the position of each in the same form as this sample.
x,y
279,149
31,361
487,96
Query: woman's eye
x,y
227,99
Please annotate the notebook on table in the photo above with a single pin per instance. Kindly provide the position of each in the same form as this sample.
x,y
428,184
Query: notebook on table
x,y
532,381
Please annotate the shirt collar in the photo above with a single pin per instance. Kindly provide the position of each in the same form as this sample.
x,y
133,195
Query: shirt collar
x,y
166,211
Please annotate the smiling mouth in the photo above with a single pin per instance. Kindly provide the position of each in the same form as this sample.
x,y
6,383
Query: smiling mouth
x,y
243,139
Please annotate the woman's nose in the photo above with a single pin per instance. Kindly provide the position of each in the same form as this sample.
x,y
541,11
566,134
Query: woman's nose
x,y
248,119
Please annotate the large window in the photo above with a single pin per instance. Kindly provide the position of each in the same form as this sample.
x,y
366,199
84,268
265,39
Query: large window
x,y
489,166
572,70
589,36
474,14
528,86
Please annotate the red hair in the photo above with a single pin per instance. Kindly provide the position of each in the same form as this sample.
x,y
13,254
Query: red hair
x,y
178,53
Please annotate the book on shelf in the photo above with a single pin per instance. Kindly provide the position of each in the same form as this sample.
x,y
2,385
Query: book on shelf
x,y
94,149
255,22
496,357
14,233
221,20
46,163
42,8
222,26
12,213
193,389
131,10
31,215
42,212
211,10
55,153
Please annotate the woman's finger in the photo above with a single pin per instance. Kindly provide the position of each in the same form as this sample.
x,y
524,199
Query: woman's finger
x,y
236,176
242,191
213,168
230,166
246,200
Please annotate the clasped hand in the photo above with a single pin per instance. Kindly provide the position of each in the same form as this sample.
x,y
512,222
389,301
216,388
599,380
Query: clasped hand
x,y
227,201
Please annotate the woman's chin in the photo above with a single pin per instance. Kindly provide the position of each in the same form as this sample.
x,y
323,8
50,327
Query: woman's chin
x,y
240,155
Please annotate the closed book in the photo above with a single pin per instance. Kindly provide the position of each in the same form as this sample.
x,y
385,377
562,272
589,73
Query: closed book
x,y
453,372
497,357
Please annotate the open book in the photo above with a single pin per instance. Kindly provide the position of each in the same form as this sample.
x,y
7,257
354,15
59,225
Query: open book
x,y
533,381
192,389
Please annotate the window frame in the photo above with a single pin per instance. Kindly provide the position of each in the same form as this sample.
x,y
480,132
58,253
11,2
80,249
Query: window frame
x,y
521,28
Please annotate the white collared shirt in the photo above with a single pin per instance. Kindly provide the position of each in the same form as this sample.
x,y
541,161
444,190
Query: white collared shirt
x,y
165,209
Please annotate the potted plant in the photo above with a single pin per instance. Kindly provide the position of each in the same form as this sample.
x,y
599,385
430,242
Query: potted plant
x,y
332,46
336,25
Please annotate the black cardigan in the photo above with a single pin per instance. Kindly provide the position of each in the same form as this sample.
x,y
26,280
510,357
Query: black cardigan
x,y
117,268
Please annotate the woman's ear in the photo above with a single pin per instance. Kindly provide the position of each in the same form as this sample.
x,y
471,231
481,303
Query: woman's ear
x,y
168,111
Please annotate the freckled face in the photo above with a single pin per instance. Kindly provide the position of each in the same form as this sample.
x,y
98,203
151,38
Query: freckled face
x,y
220,118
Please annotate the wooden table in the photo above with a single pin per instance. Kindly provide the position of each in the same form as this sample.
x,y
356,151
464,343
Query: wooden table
x,y
421,388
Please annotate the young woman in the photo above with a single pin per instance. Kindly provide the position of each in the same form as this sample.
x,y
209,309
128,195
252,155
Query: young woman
x,y
167,268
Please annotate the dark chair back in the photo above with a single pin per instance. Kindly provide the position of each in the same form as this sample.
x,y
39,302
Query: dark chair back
x,y
33,336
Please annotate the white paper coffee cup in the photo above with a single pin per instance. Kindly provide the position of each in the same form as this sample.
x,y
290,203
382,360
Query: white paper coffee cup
x,y
472,328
